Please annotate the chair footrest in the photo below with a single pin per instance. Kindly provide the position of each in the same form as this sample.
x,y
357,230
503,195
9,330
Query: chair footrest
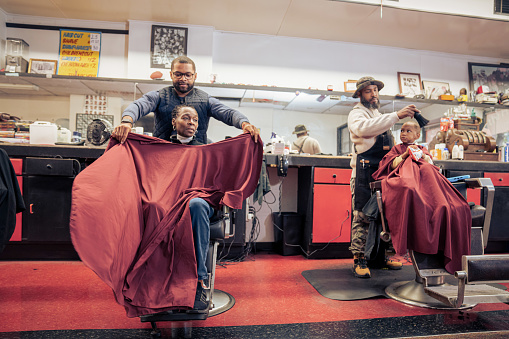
x,y
474,294
174,316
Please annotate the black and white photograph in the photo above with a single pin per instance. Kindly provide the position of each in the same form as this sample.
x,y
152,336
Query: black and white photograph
x,y
167,44
41,66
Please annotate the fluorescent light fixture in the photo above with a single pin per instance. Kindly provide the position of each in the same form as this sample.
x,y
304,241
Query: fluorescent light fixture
x,y
20,87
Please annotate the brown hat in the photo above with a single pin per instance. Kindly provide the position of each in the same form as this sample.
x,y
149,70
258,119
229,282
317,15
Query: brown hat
x,y
364,82
300,129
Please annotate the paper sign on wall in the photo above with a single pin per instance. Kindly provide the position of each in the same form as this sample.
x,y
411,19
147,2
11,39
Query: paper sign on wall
x,y
79,53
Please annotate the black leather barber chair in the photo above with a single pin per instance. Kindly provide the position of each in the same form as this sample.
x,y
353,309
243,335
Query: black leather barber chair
x,y
468,287
220,228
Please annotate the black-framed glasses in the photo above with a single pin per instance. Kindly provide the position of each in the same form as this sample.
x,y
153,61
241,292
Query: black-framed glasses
x,y
179,75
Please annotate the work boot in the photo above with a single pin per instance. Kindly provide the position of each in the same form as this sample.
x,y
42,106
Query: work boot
x,y
393,264
201,304
360,266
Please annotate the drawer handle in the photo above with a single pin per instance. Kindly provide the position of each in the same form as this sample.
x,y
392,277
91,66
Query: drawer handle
x,y
499,179
31,211
48,166
334,176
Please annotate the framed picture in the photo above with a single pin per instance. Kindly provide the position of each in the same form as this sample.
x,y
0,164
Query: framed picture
x,y
495,78
167,43
434,89
350,86
409,84
41,66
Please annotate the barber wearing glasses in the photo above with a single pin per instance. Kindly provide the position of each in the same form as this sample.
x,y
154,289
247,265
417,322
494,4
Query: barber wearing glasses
x,y
162,102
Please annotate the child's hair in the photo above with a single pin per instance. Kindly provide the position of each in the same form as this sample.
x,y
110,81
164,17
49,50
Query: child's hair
x,y
178,109
415,125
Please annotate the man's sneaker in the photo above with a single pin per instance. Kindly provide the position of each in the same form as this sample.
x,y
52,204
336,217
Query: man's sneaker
x,y
393,264
201,304
360,267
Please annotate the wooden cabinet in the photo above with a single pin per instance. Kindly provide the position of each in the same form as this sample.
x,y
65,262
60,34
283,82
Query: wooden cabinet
x,y
331,205
18,168
328,211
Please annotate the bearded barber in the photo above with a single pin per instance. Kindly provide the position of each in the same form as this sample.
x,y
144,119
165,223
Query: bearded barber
x,y
372,139
162,102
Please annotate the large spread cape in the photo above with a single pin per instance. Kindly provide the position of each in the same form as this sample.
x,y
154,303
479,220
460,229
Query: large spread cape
x,y
130,220
424,212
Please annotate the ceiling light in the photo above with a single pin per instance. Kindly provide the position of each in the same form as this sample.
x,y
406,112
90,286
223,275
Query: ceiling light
x,y
20,87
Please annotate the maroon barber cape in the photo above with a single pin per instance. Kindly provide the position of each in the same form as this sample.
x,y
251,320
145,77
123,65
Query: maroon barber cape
x,y
130,220
424,212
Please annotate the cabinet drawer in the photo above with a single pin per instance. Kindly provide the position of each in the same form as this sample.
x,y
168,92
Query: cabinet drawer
x,y
332,175
49,166
498,179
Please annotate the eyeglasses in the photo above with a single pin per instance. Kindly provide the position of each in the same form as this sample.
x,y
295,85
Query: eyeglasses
x,y
179,75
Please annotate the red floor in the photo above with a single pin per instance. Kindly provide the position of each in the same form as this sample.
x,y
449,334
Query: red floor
x,y
268,288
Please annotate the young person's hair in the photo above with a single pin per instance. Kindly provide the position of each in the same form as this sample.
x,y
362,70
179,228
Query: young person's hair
x,y
178,109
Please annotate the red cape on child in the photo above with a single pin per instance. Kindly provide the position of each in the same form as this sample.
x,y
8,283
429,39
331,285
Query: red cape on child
x,y
424,212
130,220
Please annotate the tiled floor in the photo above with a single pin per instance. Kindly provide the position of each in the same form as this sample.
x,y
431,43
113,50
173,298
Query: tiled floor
x,y
273,300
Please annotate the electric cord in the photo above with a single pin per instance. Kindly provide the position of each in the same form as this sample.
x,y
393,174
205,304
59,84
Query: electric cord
x,y
298,245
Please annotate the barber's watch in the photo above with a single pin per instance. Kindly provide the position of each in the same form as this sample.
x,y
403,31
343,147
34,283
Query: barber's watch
x,y
128,121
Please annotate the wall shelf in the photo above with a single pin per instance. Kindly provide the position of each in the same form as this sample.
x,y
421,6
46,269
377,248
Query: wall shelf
x,y
277,98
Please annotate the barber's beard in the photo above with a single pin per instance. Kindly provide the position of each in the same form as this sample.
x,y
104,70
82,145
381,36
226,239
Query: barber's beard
x,y
368,104
183,89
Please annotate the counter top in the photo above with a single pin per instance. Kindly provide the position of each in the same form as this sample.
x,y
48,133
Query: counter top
x,y
469,165
311,160
52,151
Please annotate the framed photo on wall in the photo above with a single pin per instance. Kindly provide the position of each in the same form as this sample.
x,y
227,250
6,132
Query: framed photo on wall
x,y
350,86
167,43
494,77
409,84
42,66
434,89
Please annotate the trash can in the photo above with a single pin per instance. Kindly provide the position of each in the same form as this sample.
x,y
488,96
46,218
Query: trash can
x,y
288,231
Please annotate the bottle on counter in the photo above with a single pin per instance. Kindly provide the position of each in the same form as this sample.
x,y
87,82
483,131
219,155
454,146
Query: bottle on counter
x,y
456,151
460,152
445,154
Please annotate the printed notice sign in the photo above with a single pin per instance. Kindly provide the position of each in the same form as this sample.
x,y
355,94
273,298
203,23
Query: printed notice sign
x,y
79,53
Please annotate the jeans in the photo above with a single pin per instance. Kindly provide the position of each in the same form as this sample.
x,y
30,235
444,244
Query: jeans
x,y
201,212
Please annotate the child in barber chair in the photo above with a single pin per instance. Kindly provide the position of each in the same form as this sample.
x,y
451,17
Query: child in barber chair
x,y
424,212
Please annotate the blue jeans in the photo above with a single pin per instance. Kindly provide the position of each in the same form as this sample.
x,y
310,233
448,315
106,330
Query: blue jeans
x,y
201,212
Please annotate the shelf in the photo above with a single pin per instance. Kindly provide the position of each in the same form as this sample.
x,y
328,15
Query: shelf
x,y
277,98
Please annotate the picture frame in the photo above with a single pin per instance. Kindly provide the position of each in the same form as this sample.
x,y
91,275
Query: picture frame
x,y
409,84
494,77
42,66
167,43
434,89
351,86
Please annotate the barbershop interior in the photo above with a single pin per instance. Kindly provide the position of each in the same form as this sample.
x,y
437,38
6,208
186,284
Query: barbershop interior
x,y
351,169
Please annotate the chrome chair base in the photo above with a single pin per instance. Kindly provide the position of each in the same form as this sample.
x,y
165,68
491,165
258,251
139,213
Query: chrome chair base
x,y
412,293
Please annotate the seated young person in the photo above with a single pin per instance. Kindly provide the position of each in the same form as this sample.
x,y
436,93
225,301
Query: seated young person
x,y
424,212
185,122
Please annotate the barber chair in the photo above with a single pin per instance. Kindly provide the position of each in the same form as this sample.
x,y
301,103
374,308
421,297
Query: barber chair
x,y
220,228
469,286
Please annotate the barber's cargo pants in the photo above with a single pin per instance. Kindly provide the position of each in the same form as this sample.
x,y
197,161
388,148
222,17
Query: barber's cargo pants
x,y
360,226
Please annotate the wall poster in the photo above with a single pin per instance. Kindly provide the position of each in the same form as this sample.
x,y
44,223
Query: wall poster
x,y
79,53
167,43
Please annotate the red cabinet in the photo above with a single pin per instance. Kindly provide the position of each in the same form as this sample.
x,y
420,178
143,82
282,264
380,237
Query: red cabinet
x,y
332,203
18,167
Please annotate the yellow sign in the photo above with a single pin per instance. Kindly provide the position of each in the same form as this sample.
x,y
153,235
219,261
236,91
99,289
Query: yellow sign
x,y
79,53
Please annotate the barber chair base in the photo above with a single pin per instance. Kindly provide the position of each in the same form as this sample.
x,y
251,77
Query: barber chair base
x,y
412,293
221,302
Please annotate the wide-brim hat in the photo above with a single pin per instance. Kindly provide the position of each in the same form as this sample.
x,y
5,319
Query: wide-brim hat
x,y
365,82
300,129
